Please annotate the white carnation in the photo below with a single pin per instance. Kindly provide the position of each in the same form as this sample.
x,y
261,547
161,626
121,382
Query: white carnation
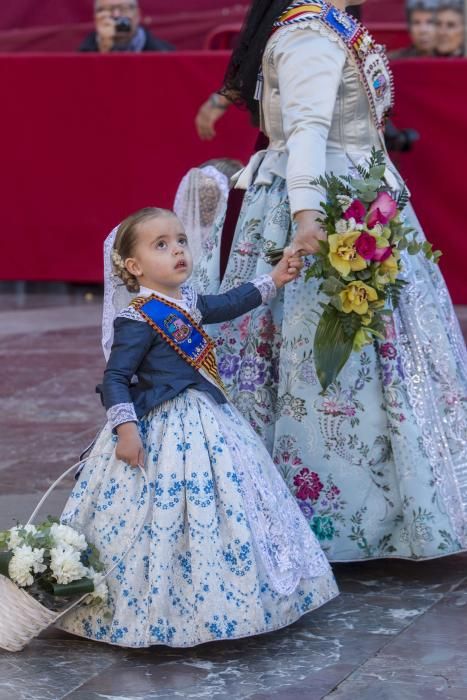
x,y
341,226
351,224
344,200
100,594
66,564
15,538
30,529
63,534
24,562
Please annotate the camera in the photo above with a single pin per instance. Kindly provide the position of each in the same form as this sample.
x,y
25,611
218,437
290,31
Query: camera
x,y
123,24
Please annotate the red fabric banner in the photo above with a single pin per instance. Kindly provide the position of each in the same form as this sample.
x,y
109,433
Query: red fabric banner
x,y
88,139
430,97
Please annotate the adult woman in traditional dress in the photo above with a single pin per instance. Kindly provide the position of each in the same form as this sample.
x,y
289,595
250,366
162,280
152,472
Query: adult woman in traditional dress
x,y
379,463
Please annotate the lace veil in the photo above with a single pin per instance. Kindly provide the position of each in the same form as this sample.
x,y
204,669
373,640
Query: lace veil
x,y
116,295
201,197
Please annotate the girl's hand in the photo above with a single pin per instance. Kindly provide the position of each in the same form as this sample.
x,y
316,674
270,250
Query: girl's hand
x,y
309,232
287,269
129,446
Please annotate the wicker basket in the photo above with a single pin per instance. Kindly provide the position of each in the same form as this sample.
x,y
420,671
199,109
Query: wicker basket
x,y
22,617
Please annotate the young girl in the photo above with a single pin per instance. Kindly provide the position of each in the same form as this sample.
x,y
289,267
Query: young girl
x,y
225,552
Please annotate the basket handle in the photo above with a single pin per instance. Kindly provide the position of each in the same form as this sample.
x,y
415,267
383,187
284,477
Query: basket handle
x,y
132,541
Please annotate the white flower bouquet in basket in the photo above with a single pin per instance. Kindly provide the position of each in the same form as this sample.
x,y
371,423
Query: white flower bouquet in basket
x,y
47,570
44,571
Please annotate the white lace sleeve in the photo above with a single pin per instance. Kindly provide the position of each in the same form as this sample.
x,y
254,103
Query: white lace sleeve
x,y
121,413
266,287
131,313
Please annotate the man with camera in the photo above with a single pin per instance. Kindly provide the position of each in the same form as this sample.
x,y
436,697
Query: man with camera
x,y
118,28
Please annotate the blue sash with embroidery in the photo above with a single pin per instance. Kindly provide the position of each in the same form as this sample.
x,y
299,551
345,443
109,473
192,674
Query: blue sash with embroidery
x,y
369,57
181,332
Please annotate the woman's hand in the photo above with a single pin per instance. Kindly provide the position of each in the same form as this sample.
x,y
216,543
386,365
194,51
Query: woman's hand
x,y
208,114
309,232
129,446
287,269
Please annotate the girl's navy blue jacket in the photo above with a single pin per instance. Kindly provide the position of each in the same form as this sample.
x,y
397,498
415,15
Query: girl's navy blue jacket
x,y
161,374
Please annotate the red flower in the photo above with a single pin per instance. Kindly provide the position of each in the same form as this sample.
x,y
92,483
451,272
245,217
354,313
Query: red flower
x,y
264,350
365,245
309,485
356,211
388,351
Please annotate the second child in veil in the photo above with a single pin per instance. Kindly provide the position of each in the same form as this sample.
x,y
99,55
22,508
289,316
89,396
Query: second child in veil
x,y
225,551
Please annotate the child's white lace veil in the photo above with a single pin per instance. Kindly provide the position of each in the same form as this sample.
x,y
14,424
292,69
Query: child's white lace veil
x,y
116,295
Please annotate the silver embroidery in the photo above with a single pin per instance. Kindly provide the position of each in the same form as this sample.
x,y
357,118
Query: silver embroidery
x,y
121,413
266,287
433,386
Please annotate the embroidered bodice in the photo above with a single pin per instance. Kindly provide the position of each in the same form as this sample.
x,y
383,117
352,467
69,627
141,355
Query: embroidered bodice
x,y
315,109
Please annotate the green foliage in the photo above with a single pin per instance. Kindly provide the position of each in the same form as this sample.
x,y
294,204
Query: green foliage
x,y
403,199
332,347
393,292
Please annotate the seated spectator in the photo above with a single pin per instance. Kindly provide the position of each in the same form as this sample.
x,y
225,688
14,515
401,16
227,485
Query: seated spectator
x,y
449,25
421,25
118,28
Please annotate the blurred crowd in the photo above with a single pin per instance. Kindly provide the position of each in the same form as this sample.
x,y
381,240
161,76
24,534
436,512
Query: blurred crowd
x,y
436,28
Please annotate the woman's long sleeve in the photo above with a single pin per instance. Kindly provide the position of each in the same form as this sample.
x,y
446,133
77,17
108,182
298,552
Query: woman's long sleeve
x,y
309,68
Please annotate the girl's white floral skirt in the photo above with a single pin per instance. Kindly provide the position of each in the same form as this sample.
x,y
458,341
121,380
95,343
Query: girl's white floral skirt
x,y
225,551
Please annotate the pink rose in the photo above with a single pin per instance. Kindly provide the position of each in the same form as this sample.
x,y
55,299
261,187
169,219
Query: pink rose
x,y
365,245
382,254
382,210
356,211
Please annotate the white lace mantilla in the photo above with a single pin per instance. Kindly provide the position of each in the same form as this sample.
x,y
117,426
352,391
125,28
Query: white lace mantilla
x,y
287,547
266,287
121,413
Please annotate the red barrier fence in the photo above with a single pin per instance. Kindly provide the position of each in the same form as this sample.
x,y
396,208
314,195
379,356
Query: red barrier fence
x,y
88,139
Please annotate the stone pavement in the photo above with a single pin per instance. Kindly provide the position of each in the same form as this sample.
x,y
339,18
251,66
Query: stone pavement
x,y
398,631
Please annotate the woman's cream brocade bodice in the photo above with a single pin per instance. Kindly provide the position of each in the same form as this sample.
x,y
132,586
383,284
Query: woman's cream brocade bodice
x,y
315,112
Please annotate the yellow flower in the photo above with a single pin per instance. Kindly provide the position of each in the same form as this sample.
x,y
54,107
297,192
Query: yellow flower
x,y
388,270
362,338
343,255
356,297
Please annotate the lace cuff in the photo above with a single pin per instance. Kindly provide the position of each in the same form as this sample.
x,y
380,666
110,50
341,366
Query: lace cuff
x,y
266,287
121,413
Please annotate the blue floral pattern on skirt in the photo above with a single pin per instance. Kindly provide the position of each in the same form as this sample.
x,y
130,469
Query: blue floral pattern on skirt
x,y
195,573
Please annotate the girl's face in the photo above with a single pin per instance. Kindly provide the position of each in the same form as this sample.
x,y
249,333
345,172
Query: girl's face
x,y
162,258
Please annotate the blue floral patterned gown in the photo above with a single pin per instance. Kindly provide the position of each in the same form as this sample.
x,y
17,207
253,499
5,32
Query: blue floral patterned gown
x,y
224,551
379,464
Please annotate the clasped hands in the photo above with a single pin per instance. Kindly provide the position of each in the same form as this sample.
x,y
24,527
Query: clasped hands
x,y
308,234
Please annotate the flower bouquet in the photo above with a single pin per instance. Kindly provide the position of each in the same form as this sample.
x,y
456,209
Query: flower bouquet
x,y
51,559
44,571
359,263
